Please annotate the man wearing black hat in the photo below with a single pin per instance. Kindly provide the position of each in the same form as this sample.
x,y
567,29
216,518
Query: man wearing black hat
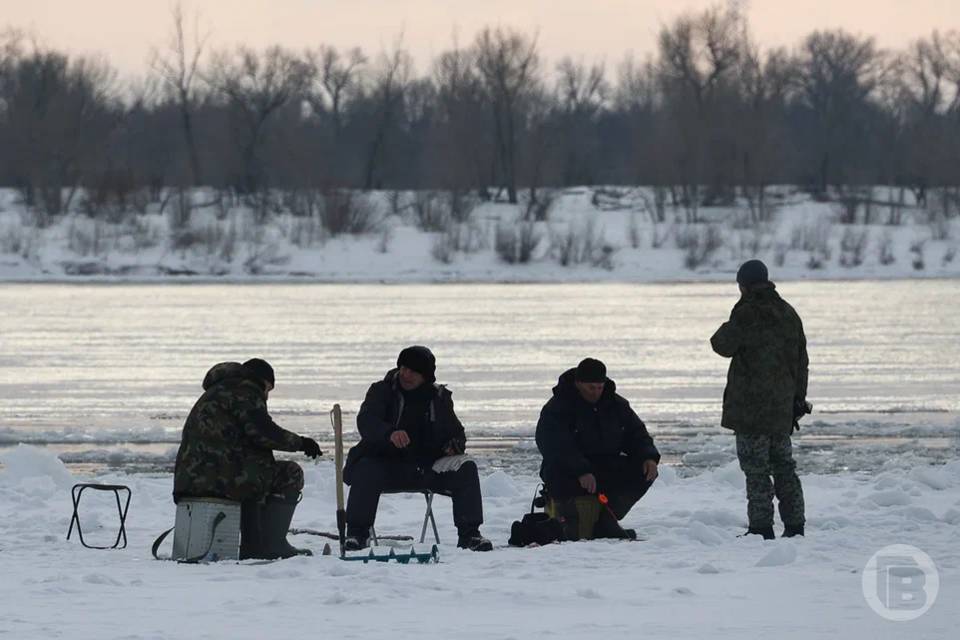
x,y
226,451
766,394
410,440
598,458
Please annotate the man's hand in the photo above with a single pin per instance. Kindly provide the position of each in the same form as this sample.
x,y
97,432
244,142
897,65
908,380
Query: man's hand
x,y
650,471
588,482
399,439
310,447
454,448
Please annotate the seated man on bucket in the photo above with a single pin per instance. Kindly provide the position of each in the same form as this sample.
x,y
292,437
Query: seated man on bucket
x,y
226,451
411,440
598,459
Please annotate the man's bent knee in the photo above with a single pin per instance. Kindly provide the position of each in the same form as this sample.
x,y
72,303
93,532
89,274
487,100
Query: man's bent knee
x,y
287,478
368,471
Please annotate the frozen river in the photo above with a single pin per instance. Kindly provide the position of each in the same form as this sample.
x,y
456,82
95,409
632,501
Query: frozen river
x,y
105,374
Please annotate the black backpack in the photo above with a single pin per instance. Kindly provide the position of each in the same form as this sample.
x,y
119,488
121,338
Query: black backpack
x,y
535,527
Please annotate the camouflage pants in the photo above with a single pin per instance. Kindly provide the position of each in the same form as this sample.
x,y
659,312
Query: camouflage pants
x,y
762,456
287,478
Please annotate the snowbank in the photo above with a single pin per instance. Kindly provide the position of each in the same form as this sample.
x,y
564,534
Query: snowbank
x,y
592,234
25,462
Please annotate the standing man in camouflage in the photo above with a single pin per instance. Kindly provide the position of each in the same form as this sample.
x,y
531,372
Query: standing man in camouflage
x,y
765,395
226,451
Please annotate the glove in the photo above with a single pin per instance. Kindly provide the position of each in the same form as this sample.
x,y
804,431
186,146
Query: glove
x,y
800,408
310,447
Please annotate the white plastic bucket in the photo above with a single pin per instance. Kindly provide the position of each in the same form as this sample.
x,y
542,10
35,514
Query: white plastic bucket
x,y
206,530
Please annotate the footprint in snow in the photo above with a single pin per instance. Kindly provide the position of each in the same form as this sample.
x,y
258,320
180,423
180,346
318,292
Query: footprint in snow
x,y
99,578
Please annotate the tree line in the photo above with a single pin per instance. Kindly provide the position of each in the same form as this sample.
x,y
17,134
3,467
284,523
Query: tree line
x,y
710,116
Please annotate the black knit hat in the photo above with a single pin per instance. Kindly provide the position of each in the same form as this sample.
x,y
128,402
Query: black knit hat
x,y
752,272
421,360
261,369
591,370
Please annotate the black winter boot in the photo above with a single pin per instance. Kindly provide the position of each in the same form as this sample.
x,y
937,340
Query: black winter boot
x,y
473,541
251,535
608,527
275,519
355,540
766,532
791,530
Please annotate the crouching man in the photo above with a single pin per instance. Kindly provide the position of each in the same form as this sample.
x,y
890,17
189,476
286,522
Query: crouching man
x,y
411,440
598,459
226,451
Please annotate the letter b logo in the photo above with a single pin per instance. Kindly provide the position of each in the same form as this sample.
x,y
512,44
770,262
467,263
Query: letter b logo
x,y
900,582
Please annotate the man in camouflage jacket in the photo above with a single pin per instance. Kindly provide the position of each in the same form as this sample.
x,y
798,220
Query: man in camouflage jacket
x,y
765,395
226,451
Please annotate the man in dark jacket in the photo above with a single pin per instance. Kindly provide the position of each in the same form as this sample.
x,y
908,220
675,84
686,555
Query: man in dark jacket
x,y
598,458
411,440
226,451
766,393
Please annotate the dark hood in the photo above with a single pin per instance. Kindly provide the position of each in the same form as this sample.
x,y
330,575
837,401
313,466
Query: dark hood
x,y
763,289
228,371
567,389
759,293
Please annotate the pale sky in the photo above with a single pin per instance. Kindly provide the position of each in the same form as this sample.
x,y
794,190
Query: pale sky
x,y
125,30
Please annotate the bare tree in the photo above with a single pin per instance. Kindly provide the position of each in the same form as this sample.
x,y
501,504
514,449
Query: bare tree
x,y
58,116
582,92
922,85
177,66
334,75
838,74
460,152
765,87
509,66
636,87
256,86
637,109
388,86
699,55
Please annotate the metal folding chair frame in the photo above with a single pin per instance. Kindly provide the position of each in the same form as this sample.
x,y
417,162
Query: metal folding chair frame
x,y
77,493
427,517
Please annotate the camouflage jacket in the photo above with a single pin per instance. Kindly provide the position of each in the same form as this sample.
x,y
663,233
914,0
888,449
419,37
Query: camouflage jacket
x,y
764,337
572,434
226,449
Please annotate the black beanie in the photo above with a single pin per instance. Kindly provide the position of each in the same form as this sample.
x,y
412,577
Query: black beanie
x,y
421,360
591,370
261,369
752,272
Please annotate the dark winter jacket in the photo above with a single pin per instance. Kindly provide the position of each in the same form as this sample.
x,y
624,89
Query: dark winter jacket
x,y
572,434
228,438
382,413
768,371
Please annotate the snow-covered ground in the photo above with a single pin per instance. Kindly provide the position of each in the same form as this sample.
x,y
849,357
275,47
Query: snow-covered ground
x,y
691,578
591,234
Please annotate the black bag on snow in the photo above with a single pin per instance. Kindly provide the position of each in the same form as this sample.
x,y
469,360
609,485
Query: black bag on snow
x,y
535,528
